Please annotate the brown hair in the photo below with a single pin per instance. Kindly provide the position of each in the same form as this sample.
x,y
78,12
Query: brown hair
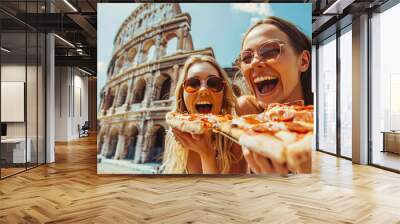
x,y
299,41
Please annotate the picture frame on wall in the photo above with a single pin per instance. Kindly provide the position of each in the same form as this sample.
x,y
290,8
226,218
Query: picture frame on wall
x,y
180,93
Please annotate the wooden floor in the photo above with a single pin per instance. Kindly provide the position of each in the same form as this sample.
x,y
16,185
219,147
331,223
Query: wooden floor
x,y
70,191
10,171
387,159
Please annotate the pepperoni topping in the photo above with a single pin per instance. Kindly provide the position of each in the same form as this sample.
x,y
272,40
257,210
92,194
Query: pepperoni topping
x,y
270,127
251,120
309,107
281,114
204,119
262,129
297,127
304,115
295,103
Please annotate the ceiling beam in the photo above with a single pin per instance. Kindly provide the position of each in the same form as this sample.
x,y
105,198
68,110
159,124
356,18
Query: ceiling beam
x,y
84,24
81,61
337,7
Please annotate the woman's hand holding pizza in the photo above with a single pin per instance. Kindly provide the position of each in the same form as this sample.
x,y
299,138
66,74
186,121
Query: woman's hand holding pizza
x,y
200,143
261,164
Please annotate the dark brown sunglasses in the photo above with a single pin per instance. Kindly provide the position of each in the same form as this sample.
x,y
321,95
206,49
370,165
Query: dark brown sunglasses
x,y
214,83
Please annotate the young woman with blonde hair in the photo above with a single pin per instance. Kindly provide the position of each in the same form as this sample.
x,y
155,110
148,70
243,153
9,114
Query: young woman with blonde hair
x,y
203,87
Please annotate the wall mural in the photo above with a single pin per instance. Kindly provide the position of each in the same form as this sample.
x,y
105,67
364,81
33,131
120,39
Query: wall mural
x,y
230,59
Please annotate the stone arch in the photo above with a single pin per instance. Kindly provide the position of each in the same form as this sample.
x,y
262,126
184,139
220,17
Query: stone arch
x,y
112,142
163,86
119,41
132,54
139,24
157,144
146,20
109,99
139,91
123,92
102,99
131,135
101,138
111,68
149,51
171,44
119,63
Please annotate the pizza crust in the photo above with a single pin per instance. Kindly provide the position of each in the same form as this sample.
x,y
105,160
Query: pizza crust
x,y
180,122
265,145
299,154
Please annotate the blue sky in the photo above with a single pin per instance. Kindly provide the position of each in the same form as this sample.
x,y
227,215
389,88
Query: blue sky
x,y
216,25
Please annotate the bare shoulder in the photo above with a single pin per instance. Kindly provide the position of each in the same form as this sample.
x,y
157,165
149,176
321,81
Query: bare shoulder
x,y
247,104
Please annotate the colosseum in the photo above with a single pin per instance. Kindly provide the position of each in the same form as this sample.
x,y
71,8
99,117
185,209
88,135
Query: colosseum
x,y
150,49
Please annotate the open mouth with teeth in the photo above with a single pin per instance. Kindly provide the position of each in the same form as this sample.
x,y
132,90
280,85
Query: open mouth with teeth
x,y
203,107
265,84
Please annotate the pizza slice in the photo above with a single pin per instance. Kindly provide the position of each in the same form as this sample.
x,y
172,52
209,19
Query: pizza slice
x,y
268,139
198,123
284,146
284,133
240,124
191,123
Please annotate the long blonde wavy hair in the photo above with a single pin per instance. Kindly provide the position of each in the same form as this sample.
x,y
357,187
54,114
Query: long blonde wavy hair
x,y
175,156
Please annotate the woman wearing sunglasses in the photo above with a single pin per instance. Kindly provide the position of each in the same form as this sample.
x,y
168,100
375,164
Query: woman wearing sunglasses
x,y
275,61
203,87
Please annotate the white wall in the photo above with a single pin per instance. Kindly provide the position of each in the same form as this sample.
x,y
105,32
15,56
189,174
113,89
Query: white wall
x,y
71,93
33,126
16,73
61,103
12,73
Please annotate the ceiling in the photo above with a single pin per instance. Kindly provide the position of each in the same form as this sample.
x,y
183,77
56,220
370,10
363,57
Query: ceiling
x,y
331,15
76,22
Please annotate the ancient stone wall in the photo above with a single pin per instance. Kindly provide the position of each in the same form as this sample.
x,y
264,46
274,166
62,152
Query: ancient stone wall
x,y
150,49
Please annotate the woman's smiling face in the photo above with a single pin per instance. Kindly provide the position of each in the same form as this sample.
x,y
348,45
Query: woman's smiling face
x,y
272,80
204,100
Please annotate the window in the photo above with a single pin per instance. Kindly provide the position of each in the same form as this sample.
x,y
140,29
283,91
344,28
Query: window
x,y
172,45
140,23
346,92
139,92
157,150
22,66
165,89
122,95
385,89
327,95
151,55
